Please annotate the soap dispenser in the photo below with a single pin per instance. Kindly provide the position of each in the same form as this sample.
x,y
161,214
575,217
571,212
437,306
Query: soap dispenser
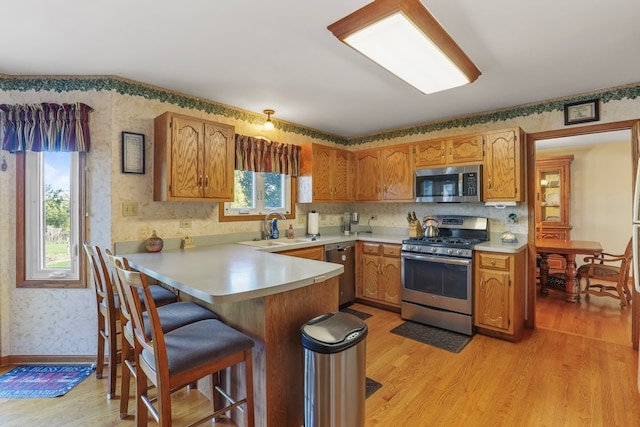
x,y
275,234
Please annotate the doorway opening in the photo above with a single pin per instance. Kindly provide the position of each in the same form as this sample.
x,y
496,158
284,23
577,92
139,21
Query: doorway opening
x,y
585,317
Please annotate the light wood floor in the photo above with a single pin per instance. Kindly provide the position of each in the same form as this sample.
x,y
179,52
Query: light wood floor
x,y
576,369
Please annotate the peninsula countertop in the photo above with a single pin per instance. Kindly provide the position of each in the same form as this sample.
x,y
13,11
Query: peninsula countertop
x,y
230,272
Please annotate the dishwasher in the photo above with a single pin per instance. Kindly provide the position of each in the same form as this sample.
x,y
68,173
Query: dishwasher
x,y
344,253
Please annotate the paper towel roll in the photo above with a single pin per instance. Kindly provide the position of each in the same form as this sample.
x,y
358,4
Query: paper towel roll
x,y
312,224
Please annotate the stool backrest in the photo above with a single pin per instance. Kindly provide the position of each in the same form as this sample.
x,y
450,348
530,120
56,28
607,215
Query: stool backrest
x,y
112,262
131,282
100,278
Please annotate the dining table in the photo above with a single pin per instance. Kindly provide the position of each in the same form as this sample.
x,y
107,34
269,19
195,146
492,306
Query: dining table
x,y
568,249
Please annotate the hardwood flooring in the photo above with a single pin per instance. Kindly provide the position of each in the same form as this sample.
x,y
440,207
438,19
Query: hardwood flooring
x,y
576,369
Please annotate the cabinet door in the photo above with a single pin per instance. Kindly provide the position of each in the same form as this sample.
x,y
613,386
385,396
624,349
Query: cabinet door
x,y
390,280
368,175
465,150
187,178
503,175
492,299
370,276
340,175
322,171
218,161
398,174
430,153
315,252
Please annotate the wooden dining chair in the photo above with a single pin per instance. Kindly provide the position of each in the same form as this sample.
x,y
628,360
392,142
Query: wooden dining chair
x,y
172,316
108,315
608,275
182,356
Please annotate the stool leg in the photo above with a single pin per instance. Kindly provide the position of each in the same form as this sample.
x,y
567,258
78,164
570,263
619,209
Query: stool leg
x,y
126,379
248,375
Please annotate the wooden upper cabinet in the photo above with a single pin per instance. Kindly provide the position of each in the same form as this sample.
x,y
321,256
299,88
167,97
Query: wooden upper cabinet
x,y
397,173
503,175
430,153
384,174
325,174
465,150
462,150
368,169
193,159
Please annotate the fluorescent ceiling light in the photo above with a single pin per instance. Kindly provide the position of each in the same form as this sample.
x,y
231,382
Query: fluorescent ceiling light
x,y
404,38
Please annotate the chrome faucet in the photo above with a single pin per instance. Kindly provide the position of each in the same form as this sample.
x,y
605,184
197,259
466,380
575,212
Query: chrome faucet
x,y
267,224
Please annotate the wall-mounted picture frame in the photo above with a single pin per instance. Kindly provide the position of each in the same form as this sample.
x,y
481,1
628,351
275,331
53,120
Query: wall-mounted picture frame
x,y
582,112
132,152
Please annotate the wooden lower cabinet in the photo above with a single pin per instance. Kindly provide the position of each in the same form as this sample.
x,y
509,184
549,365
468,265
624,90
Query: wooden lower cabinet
x,y
499,285
378,273
314,252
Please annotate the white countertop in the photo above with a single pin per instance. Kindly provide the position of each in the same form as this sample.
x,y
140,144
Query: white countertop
x,y
329,239
495,244
230,272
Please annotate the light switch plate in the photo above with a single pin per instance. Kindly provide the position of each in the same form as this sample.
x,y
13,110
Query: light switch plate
x,y
129,208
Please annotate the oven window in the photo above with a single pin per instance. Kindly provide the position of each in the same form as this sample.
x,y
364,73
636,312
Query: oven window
x,y
437,278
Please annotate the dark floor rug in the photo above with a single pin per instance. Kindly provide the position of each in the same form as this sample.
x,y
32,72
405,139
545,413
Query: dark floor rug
x,y
42,380
446,340
356,313
371,387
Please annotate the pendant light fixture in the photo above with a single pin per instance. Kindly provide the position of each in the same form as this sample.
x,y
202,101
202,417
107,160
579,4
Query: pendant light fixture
x,y
268,125
405,39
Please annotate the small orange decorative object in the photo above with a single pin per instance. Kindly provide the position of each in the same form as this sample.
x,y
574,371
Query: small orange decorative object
x,y
153,243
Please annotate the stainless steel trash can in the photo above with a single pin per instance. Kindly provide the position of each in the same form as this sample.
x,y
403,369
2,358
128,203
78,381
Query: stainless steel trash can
x,y
335,370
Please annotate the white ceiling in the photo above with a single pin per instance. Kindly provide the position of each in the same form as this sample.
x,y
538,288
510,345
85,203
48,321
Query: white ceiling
x,y
279,54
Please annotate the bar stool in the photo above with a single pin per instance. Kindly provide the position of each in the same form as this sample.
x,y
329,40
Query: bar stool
x,y
108,314
180,357
172,316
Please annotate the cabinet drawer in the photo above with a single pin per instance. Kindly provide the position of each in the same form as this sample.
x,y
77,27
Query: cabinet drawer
x,y
371,248
494,261
391,250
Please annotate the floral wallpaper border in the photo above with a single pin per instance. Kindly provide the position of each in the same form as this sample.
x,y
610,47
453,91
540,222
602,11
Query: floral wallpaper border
x,y
129,87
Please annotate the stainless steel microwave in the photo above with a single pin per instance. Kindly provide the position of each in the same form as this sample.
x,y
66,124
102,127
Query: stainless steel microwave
x,y
456,184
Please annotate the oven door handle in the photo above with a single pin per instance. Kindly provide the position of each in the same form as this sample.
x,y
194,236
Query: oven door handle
x,y
440,259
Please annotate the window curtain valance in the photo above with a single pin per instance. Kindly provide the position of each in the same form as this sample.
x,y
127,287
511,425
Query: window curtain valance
x,y
260,155
44,127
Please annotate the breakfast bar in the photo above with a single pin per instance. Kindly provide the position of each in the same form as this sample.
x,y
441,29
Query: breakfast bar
x,y
265,295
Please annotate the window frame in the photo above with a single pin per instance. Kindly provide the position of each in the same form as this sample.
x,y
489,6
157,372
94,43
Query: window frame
x,y
291,215
21,242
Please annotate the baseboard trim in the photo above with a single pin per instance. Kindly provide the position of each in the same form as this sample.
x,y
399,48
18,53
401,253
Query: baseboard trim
x,y
45,359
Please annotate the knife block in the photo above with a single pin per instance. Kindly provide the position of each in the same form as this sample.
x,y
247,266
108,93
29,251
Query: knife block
x,y
415,229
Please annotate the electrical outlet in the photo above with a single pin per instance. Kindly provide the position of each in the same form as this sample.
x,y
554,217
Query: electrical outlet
x,y
323,217
185,223
300,219
129,208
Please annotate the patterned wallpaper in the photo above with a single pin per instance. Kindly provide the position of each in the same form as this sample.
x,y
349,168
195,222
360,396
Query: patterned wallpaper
x,y
41,322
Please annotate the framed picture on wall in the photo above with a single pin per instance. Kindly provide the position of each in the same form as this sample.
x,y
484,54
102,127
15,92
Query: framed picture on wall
x,y
582,112
132,152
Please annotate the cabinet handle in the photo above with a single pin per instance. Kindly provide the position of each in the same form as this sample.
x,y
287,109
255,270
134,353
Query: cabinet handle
x,y
489,180
206,181
200,181
493,262
442,152
482,284
450,151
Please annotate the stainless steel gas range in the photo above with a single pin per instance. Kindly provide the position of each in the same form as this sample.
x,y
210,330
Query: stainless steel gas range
x,y
437,274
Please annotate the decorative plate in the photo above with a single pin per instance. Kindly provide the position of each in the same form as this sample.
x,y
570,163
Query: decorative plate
x,y
552,199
